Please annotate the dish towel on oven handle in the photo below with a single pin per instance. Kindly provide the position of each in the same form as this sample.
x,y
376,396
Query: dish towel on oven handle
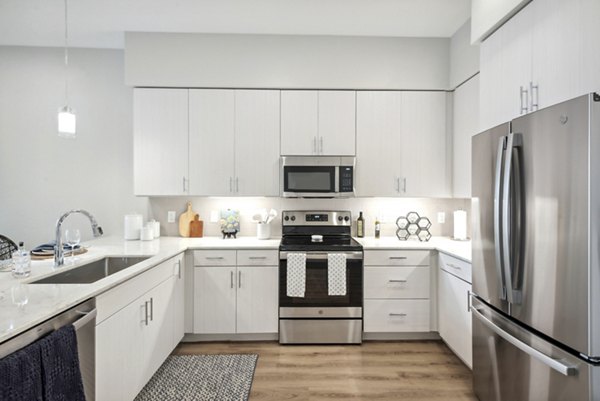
x,y
296,275
336,274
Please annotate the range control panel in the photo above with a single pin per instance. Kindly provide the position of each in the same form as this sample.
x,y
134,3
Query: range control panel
x,y
314,218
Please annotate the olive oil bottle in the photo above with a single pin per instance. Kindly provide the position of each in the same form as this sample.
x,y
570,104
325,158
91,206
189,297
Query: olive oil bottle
x,y
360,226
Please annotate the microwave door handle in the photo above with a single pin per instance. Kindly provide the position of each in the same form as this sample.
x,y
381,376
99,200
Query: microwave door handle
x,y
498,216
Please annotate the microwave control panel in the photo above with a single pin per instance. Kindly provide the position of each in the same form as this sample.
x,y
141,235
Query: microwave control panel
x,y
346,179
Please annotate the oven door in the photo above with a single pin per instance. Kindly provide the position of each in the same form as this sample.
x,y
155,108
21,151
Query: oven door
x,y
316,301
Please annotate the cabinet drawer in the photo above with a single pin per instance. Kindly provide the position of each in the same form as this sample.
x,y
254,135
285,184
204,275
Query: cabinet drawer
x,y
396,282
456,267
214,258
117,298
390,316
258,258
396,258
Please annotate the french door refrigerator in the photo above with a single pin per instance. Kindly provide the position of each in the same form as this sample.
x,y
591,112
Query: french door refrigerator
x,y
536,256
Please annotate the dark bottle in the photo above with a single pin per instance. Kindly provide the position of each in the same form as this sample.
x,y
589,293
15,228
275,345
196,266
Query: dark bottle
x,y
377,228
360,226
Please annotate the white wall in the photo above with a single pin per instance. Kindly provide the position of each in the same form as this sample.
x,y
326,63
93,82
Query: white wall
x,y
285,61
387,209
464,57
42,175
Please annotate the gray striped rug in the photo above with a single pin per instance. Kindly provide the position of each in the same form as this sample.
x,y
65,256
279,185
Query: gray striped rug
x,y
201,378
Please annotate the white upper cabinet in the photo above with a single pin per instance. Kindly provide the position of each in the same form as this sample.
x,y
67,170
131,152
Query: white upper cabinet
x,y
318,123
160,141
402,144
211,151
257,142
465,126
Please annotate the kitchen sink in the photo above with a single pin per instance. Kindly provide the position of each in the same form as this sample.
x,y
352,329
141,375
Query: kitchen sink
x,y
92,272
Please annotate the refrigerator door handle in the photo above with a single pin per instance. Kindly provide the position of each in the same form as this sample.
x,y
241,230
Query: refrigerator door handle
x,y
497,217
562,368
514,297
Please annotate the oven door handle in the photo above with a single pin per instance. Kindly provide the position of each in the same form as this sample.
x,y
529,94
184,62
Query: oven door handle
x,y
323,255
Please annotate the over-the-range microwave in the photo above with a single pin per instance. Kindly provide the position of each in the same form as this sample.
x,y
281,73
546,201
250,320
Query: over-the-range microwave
x,y
317,176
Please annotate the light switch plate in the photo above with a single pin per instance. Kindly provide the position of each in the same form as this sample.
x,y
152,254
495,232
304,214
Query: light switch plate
x,y
441,218
171,216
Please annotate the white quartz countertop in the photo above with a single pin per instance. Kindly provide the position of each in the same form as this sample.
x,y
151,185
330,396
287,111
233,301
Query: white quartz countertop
x,y
458,249
24,305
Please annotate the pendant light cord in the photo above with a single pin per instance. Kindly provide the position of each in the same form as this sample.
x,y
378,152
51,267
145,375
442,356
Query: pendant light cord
x,y
66,57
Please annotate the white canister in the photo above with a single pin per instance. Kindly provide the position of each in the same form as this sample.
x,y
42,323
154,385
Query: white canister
x,y
156,227
460,225
147,233
263,231
133,225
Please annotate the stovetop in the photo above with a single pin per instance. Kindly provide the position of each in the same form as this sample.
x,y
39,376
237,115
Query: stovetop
x,y
329,243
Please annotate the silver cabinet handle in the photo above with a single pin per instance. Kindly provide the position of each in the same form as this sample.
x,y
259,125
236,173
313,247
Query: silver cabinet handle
x,y
257,257
565,369
237,184
239,279
315,145
398,184
179,268
468,301
146,313
397,257
397,281
214,257
524,104
454,266
230,184
151,309
404,185
535,99
184,190
321,141
398,314
231,279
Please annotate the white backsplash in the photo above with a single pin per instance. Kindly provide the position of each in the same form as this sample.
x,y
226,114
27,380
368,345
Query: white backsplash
x,y
386,209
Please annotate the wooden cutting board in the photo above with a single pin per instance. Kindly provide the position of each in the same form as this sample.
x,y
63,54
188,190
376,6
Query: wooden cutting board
x,y
185,219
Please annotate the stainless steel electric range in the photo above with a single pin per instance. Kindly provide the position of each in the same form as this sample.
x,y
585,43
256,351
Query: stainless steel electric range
x,y
317,317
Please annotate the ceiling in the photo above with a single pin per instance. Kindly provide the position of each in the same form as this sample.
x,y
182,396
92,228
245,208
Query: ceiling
x,y
101,23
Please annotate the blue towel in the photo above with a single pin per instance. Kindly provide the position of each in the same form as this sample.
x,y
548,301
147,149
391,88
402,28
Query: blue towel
x,y
21,376
61,375
49,247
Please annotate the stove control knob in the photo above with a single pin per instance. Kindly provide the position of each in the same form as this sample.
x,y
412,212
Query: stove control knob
x,y
293,218
287,218
340,218
346,218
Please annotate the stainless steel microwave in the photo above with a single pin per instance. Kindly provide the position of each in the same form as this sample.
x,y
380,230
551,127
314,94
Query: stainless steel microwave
x,y
317,177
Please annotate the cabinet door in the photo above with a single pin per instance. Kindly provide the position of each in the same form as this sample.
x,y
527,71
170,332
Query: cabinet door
x,y
492,95
454,317
257,299
589,29
556,55
378,127
424,166
211,151
299,123
178,299
120,353
257,142
214,299
160,141
465,125
337,123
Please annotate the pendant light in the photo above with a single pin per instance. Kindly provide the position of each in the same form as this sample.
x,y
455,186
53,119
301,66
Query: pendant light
x,y
67,124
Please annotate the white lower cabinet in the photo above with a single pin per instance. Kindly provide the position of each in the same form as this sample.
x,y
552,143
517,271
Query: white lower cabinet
x,y
396,315
134,340
232,299
453,310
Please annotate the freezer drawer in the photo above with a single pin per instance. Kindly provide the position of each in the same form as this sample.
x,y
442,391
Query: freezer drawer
x,y
511,363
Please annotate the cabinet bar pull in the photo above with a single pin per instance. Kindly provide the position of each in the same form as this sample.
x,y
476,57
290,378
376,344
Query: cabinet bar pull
x,y
146,313
184,190
230,184
257,257
535,99
315,145
454,266
231,279
469,301
214,257
524,104
237,184
179,268
239,279
404,187
321,141
397,257
398,314
151,309
398,281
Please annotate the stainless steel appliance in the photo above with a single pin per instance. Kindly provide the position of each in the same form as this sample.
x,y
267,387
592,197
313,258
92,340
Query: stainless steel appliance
x,y
317,177
83,318
536,251
319,318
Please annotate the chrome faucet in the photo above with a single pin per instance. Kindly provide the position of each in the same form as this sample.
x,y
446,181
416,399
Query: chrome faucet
x,y
59,258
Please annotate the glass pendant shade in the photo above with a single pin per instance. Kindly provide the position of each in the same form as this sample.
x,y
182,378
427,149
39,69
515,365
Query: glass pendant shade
x,y
67,122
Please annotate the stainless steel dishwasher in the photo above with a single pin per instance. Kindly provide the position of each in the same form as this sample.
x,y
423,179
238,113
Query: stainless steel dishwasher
x,y
83,318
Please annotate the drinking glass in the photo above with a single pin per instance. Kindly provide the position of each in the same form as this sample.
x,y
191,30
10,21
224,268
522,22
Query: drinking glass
x,y
72,238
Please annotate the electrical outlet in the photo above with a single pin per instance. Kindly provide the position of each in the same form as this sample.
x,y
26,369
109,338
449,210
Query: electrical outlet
x,y
441,218
171,216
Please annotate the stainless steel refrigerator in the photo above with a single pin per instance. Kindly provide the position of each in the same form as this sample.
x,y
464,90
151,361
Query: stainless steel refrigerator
x,y
536,256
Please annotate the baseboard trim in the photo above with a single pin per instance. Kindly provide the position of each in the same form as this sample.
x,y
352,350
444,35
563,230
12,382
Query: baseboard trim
x,y
432,335
194,338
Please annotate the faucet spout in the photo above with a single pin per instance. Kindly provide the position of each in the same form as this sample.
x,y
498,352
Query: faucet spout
x,y
59,258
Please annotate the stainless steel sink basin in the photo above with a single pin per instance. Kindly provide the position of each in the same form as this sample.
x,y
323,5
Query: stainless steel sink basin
x,y
93,271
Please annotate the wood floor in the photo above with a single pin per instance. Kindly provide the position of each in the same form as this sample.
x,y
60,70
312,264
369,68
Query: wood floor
x,y
407,370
